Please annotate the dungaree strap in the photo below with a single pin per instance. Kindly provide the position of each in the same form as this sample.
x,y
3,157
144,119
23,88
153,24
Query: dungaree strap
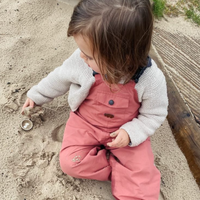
x,y
139,72
94,73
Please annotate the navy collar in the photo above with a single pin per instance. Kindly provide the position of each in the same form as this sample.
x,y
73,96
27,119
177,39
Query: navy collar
x,y
139,72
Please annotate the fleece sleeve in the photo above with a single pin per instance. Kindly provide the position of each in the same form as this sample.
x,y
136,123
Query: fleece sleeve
x,y
152,93
72,72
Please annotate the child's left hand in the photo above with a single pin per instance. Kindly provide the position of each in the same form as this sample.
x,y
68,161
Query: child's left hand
x,y
121,139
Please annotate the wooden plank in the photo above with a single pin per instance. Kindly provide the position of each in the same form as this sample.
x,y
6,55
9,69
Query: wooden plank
x,y
182,60
182,123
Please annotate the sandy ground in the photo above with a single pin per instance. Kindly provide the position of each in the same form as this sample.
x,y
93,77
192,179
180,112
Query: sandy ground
x,y
33,42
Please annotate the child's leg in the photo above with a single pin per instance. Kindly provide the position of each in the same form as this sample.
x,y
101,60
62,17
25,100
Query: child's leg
x,y
85,162
81,155
134,175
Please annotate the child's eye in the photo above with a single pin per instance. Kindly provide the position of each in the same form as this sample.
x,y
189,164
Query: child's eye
x,y
90,58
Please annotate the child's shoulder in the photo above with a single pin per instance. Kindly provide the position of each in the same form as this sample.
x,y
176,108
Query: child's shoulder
x,y
152,83
154,71
76,64
152,76
74,58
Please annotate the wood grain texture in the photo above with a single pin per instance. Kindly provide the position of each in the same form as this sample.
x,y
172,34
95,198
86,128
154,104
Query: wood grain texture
x,y
182,123
181,55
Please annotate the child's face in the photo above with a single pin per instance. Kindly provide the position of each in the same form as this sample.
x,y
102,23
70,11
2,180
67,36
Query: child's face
x,y
86,52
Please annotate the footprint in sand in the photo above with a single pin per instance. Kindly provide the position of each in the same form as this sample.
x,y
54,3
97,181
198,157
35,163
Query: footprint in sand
x,y
12,96
57,133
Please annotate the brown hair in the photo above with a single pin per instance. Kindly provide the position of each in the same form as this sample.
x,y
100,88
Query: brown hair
x,y
120,32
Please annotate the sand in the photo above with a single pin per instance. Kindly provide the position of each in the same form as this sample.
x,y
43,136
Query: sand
x,y
33,42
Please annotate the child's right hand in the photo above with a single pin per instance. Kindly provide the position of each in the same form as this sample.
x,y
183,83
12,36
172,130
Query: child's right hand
x,y
28,103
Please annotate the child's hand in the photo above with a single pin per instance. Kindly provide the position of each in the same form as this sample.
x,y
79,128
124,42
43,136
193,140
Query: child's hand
x,y
121,139
28,103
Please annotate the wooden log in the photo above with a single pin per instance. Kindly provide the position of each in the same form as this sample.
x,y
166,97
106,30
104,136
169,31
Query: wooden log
x,y
182,123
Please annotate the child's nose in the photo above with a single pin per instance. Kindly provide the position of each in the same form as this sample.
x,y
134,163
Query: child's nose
x,y
83,56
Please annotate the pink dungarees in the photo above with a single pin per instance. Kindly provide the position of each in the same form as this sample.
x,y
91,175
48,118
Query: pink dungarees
x,y
84,152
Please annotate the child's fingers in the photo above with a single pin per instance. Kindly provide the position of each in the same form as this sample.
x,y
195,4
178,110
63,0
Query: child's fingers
x,y
28,103
110,144
114,134
32,103
115,142
25,105
120,138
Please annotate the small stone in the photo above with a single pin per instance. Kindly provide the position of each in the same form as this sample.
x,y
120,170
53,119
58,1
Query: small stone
x,y
42,164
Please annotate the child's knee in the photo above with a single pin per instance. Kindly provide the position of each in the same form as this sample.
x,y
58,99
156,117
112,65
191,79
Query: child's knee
x,y
67,165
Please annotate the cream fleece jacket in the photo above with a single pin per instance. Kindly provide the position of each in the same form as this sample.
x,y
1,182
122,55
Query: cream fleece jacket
x,y
75,76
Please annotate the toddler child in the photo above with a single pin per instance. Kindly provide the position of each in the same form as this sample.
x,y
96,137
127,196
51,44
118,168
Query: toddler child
x,y
117,96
